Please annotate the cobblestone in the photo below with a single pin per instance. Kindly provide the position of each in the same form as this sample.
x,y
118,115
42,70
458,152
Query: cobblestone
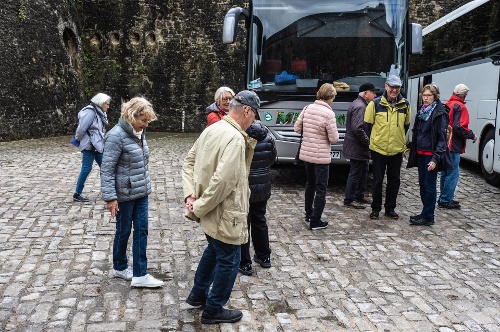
x,y
356,275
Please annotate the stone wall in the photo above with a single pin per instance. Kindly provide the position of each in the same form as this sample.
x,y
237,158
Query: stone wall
x,y
56,54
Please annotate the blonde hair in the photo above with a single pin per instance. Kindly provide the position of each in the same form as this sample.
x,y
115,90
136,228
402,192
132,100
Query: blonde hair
x,y
137,107
326,91
433,88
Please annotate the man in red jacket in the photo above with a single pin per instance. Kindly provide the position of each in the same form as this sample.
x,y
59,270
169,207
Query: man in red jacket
x,y
459,122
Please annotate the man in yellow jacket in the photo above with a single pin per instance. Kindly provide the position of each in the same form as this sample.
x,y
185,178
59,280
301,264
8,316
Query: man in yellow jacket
x,y
386,121
215,184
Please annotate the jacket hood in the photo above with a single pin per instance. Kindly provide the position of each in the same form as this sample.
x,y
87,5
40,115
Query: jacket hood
x,y
257,131
212,108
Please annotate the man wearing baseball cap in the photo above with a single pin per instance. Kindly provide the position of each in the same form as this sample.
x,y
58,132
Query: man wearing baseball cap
x,y
459,122
216,193
387,119
356,148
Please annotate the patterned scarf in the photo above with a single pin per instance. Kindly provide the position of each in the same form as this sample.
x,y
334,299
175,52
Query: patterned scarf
x,y
425,112
102,115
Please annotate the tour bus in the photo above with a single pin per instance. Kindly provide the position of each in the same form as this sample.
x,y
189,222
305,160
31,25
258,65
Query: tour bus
x,y
294,46
464,47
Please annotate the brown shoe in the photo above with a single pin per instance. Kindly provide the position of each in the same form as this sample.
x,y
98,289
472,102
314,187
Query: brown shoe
x,y
353,205
363,201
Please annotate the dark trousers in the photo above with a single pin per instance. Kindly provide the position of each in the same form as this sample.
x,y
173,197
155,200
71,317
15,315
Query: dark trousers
x,y
427,181
356,181
258,232
218,268
381,164
315,197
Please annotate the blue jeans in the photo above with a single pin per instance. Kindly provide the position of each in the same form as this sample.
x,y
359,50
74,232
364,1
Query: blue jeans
x,y
449,180
427,182
315,196
356,181
135,212
88,158
218,267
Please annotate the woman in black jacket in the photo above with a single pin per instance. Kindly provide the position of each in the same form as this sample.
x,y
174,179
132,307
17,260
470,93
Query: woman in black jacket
x,y
429,150
260,187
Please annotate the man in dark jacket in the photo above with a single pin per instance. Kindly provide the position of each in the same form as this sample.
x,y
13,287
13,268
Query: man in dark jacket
x,y
356,148
459,122
260,187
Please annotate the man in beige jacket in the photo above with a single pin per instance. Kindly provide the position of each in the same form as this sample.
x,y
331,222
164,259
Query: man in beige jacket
x,y
215,183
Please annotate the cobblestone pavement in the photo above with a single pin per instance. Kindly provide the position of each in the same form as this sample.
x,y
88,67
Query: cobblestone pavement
x,y
356,275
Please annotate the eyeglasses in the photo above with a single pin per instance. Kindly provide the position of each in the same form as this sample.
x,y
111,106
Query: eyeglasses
x,y
394,87
254,112
144,121
426,96
227,99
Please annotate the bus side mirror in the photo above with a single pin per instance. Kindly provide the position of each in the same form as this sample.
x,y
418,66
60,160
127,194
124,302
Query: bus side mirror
x,y
416,38
230,26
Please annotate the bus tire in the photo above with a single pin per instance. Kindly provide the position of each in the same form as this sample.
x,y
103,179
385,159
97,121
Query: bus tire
x,y
486,158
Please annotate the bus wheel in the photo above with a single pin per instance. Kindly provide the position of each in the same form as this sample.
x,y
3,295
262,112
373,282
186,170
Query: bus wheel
x,y
487,158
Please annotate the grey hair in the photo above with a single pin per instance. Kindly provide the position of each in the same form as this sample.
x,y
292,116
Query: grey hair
x,y
236,106
100,98
220,92
361,94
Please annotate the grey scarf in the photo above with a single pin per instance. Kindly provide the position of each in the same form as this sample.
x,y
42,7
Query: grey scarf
x,y
102,115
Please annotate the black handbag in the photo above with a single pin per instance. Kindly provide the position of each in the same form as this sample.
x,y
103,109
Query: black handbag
x,y
297,160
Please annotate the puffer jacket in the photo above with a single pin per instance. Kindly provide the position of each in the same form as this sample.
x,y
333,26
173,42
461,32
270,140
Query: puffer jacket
x,y
319,132
214,114
263,157
356,141
216,170
387,124
124,168
437,136
91,130
459,122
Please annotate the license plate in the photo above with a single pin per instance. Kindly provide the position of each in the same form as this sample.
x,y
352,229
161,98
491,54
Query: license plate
x,y
335,154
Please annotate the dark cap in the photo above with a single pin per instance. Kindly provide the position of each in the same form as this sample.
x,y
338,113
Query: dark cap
x,y
248,98
368,86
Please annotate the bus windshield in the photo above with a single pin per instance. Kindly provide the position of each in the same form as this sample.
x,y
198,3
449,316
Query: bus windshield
x,y
296,45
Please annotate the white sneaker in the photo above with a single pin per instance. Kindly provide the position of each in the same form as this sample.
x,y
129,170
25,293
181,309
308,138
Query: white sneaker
x,y
126,274
146,281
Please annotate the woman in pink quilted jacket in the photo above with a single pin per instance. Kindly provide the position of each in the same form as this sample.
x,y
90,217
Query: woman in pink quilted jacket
x,y
318,127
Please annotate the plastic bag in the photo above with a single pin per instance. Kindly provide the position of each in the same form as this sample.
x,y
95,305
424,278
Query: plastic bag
x,y
285,78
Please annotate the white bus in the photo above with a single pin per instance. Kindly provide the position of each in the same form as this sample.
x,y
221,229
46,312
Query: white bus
x,y
294,46
464,47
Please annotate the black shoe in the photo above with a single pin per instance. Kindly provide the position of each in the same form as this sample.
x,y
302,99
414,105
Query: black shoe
x,y
307,218
246,269
353,205
364,201
414,217
315,225
79,198
374,215
196,301
225,316
391,214
422,222
450,206
265,263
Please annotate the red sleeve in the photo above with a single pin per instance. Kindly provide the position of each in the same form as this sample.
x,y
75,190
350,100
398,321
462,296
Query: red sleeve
x,y
212,118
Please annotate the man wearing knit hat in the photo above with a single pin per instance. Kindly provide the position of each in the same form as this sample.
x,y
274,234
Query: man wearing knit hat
x,y
459,122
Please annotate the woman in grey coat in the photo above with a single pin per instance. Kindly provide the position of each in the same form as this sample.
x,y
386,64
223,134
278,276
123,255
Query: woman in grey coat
x,y
92,121
125,187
